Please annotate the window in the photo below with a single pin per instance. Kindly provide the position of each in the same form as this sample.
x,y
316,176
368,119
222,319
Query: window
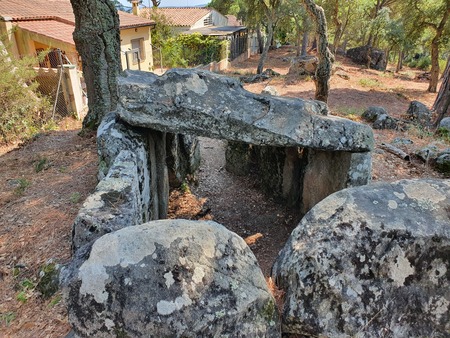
x,y
138,50
208,20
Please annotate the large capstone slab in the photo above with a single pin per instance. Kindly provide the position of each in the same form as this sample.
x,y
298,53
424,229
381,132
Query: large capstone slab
x,y
211,105
370,261
172,278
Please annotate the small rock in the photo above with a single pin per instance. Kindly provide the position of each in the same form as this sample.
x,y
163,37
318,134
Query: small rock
x,y
270,90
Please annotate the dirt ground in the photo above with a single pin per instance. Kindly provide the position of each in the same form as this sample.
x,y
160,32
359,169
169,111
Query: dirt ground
x,y
44,183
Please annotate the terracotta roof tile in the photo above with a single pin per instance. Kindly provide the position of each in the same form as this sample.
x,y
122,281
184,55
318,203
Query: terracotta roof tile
x,y
180,16
58,10
51,28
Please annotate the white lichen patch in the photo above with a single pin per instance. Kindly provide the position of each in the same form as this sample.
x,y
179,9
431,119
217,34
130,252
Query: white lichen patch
x,y
399,266
423,192
437,306
166,308
169,279
129,246
392,204
198,275
109,323
400,196
196,85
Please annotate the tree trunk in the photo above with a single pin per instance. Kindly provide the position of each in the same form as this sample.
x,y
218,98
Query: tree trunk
x,y
442,104
305,42
338,24
434,79
260,39
434,73
400,61
97,41
263,57
323,71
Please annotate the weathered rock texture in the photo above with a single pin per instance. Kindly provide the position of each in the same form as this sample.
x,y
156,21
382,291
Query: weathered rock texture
x,y
302,67
206,104
115,204
172,278
160,157
370,261
419,114
379,118
362,54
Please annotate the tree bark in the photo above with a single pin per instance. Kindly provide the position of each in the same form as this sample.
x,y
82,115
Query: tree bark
x,y
323,72
305,43
442,104
434,78
97,41
263,57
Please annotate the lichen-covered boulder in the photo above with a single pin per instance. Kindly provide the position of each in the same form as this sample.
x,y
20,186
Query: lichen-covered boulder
x,y
379,117
445,124
370,261
419,113
171,278
190,101
115,203
367,54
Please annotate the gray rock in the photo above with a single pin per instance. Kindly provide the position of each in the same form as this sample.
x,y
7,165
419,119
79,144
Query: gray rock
x,y
371,114
419,113
380,118
113,137
115,204
303,66
402,141
377,57
269,90
172,278
211,105
445,123
370,261
443,163
183,157
428,153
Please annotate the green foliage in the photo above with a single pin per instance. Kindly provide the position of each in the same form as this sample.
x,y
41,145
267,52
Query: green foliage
x,y
7,317
23,111
443,134
22,185
26,287
369,83
75,197
41,164
188,50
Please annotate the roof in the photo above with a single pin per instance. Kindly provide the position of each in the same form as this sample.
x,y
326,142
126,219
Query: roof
x,y
216,31
56,10
50,28
180,16
233,21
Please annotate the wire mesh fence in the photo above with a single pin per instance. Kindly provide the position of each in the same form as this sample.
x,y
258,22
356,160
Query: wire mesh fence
x,y
62,83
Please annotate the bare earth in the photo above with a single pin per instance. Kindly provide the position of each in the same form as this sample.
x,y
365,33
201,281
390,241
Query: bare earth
x,y
43,184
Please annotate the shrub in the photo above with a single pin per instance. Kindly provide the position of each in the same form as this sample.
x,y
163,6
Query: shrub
x,y
23,111
188,50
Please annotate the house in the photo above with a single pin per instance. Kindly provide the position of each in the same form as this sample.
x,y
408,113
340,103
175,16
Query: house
x,y
183,19
32,26
207,22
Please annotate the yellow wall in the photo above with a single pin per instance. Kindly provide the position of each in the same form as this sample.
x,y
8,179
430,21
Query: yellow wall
x,y
126,35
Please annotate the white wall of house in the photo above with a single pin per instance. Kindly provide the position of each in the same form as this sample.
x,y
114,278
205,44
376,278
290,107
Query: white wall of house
x,y
213,18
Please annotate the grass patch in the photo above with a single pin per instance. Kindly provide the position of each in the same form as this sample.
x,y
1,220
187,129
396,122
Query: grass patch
x,y
7,318
350,113
41,165
22,185
369,83
75,197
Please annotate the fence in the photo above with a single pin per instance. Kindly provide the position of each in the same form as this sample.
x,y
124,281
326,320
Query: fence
x,y
62,83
